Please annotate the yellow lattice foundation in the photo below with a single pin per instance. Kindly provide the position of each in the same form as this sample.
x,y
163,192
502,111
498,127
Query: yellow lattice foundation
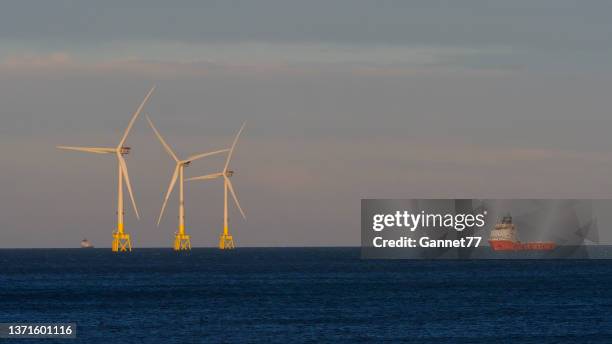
x,y
121,241
226,241
182,242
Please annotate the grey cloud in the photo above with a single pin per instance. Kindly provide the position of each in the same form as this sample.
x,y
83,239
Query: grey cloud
x,y
560,25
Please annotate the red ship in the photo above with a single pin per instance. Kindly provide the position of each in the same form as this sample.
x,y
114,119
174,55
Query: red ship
x,y
504,238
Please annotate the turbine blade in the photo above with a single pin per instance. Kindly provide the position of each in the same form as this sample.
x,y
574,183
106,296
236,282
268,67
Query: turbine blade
x,y
170,188
200,156
208,176
229,155
126,177
161,139
231,188
97,150
134,116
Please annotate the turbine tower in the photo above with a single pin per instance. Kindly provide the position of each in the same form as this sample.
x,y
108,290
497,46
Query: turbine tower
x,y
182,240
121,239
226,240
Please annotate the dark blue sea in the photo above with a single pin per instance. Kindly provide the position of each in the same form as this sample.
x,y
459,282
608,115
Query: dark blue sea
x,y
309,295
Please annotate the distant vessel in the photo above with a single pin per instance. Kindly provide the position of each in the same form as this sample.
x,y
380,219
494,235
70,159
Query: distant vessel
x,y
86,244
504,238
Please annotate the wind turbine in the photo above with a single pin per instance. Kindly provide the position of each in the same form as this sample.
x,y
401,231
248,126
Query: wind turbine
x,y
226,241
121,239
181,239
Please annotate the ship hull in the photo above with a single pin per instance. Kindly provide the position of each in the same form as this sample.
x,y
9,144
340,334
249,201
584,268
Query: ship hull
x,y
507,245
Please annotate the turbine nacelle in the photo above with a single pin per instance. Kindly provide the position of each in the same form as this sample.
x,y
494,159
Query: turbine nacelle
x,y
124,150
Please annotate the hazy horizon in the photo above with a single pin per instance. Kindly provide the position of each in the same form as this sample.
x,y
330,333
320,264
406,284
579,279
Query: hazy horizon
x,y
344,100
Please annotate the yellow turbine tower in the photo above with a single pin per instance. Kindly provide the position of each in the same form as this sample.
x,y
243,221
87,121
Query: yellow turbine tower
x,y
226,240
121,239
182,240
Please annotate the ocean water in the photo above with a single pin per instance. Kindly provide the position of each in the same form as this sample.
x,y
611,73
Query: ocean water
x,y
304,295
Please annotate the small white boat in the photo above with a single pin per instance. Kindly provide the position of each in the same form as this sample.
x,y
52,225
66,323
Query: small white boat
x,y
86,244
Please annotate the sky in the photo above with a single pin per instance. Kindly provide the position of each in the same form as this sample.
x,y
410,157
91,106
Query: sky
x,y
344,100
